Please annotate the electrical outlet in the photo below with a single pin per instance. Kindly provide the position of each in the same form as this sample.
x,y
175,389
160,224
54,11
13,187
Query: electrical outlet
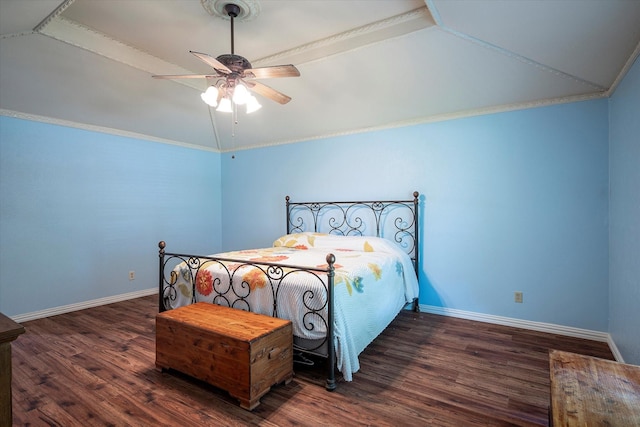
x,y
517,297
132,275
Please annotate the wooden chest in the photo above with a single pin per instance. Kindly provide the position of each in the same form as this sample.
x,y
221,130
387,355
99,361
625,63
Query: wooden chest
x,y
241,352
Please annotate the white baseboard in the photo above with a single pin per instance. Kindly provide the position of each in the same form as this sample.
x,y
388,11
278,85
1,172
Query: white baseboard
x,y
82,305
527,324
469,315
614,350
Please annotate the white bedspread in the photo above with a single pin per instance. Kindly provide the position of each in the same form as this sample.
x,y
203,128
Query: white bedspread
x,y
374,280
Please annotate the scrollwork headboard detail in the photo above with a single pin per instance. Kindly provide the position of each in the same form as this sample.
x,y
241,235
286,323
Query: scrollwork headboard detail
x,y
395,220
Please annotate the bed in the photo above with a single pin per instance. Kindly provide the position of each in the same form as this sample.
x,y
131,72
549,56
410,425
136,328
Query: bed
x,y
340,273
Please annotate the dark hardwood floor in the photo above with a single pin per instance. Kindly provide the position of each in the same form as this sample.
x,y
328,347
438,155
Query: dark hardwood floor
x,y
96,367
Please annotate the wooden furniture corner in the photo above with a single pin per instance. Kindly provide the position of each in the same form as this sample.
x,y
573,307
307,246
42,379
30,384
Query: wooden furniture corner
x,y
588,391
9,331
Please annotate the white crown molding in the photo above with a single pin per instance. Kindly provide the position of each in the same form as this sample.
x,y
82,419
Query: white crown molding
x,y
527,324
393,125
432,119
100,129
82,305
75,34
355,38
20,34
53,15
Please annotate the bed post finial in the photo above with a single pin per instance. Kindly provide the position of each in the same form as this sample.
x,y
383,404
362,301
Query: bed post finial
x,y
162,245
415,194
331,259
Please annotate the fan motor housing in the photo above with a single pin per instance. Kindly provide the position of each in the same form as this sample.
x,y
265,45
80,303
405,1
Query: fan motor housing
x,y
235,63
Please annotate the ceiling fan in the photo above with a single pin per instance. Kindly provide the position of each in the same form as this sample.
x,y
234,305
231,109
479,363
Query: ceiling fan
x,y
233,75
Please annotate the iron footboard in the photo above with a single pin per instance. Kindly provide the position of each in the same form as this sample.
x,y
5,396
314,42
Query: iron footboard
x,y
187,274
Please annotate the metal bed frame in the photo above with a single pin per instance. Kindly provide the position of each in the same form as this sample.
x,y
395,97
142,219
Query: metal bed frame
x,y
395,220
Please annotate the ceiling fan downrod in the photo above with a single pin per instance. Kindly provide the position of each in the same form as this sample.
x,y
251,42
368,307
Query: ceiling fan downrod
x,y
233,10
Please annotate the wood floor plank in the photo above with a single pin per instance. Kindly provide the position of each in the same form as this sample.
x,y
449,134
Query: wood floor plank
x,y
96,367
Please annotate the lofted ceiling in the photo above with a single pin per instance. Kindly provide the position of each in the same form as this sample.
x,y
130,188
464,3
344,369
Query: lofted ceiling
x,y
364,64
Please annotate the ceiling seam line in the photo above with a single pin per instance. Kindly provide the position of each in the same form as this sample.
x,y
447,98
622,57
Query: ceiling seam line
x,y
625,69
215,129
521,58
433,10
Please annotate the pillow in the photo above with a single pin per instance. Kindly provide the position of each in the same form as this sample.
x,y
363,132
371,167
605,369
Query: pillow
x,y
335,242
304,240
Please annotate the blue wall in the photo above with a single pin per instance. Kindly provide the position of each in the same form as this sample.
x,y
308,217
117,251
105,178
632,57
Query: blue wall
x,y
81,209
624,277
514,201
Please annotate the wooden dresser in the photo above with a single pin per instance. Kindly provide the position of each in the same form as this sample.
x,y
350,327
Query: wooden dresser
x,y
241,352
587,391
9,331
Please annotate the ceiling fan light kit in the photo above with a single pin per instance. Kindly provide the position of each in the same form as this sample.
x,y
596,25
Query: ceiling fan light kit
x,y
222,98
225,106
253,104
233,75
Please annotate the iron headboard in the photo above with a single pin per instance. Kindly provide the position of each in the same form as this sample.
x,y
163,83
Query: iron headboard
x,y
395,220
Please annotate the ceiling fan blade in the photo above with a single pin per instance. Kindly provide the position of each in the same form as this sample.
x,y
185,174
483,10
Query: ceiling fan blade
x,y
208,59
183,76
272,72
268,92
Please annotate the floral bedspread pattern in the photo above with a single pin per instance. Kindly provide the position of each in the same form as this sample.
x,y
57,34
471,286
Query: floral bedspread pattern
x,y
373,280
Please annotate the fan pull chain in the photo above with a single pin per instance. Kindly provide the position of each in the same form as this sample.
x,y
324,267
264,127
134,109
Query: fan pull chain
x,y
234,122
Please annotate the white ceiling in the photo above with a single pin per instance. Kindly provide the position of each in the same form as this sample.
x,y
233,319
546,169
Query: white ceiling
x,y
364,64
